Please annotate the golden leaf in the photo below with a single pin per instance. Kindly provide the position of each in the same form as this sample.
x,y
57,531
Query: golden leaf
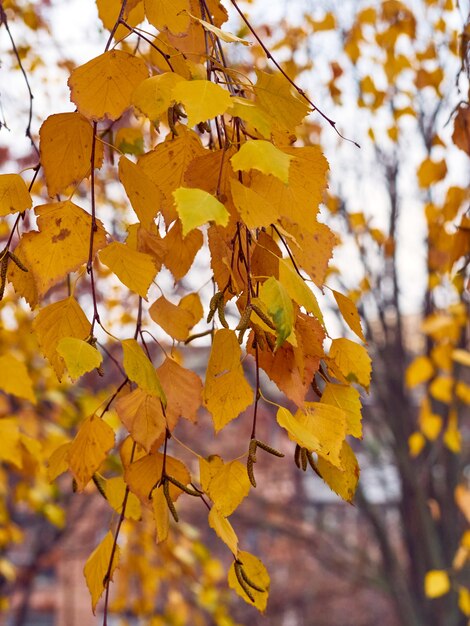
x,y
298,290
183,390
170,14
419,371
142,415
102,88
352,360
62,245
79,356
154,95
142,192
258,574
279,305
346,398
226,391
14,195
350,313
55,321
161,514
97,566
342,481
115,490
134,269
140,370
227,484
88,450
15,378
263,156
276,97
10,451
197,207
143,475
223,529
202,99
436,583
65,146
255,210
174,319
181,251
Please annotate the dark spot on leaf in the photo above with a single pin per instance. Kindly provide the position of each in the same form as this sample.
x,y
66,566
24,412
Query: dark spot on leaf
x,y
64,233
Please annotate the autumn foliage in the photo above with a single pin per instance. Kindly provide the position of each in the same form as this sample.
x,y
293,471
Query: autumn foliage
x,y
177,206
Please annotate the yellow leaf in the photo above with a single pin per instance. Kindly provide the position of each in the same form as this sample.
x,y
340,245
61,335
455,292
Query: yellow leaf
x,y
221,34
452,435
166,166
97,567
134,269
197,207
65,146
102,88
346,398
115,490
174,319
55,321
298,290
15,378
142,192
436,583
419,371
462,357
441,389
276,97
79,356
254,210
62,245
14,195
258,574
352,360
161,514
140,370
464,601
226,391
202,99
154,95
319,428
279,305
223,529
342,481
416,443
88,450
142,415
143,475
57,463
170,14
183,390
109,10
429,423
350,313
431,172
10,451
227,484
23,282
252,114
181,251
130,140
263,156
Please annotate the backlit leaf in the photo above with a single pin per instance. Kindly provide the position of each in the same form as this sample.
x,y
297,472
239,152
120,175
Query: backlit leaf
x,y
174,319
263,156
143,475
142,415
97,566
197,207
226,391
155,94
342,481
346,398
352,360
62,245
419,371
227,484
79,356
144,195
14,195
140,370
65,145
102,88
55,321
274,295
161,514
115,490
298,290
275,95
88,450
134,269
202,99
258,574
170,14
224,529
350,313
183,390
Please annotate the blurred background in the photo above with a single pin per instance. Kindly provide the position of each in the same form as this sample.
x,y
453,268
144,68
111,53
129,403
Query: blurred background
x,y
395,78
